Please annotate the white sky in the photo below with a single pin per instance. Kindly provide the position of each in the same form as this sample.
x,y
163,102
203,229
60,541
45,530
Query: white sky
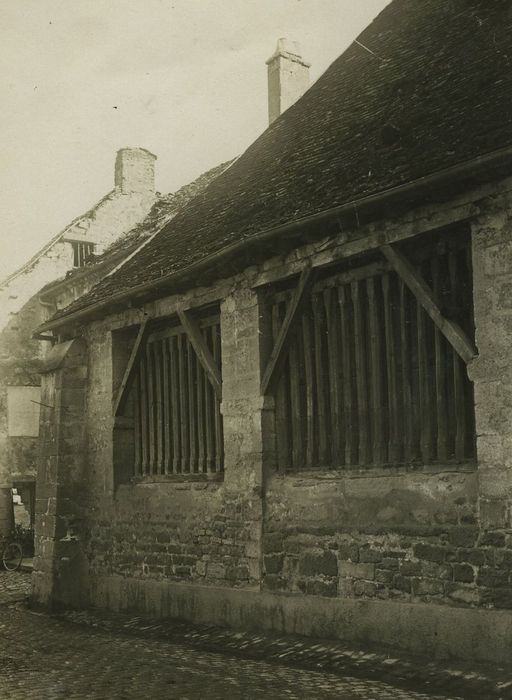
x,y
185,79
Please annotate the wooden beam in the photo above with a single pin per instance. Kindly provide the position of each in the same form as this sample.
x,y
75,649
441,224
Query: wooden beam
x,y
129,374
412,278
202,351
281,346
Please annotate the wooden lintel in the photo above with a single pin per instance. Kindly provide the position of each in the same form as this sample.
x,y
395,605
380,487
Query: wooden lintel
x,y
412,278
282,342
202,351
129,374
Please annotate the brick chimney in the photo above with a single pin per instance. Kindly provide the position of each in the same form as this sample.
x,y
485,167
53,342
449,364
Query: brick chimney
x,y
288,77
135,171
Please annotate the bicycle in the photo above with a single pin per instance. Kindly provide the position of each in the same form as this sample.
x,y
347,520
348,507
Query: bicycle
x,y
12,554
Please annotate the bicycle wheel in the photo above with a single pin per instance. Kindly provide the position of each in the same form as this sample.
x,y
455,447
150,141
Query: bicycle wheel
x,y
12,556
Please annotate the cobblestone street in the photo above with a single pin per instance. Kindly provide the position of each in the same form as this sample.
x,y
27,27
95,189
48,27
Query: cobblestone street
x,y
45,658
84,655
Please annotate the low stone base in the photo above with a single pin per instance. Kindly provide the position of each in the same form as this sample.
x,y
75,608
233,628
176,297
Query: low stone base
x,y
439,631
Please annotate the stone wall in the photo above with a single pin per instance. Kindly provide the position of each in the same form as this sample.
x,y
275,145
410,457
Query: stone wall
x,y
429,543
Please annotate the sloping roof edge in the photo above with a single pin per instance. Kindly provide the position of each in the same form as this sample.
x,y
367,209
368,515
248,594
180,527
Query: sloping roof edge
x,y
32,261
476,167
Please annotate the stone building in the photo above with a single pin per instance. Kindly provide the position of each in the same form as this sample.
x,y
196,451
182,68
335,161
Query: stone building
x,y
76,259
291,408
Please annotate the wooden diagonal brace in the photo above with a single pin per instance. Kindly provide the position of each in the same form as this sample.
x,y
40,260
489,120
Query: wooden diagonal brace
x,y
119,401
202,351
459,340
278,354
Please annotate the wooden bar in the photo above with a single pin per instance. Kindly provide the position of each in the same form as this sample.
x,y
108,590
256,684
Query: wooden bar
x,y
137,352
310,394
321,394
391,363
200,378
150,383
440,370
413,279
137,465
293,312
175,403
219,442
424,389
192,413
405,361
144,414
209,408
281,423
159,399
350,436
201,349
458,373
183,385
296,423
364,455
338,456
378,452
167,407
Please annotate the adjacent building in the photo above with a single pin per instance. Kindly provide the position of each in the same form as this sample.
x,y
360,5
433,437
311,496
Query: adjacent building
x,y
291,408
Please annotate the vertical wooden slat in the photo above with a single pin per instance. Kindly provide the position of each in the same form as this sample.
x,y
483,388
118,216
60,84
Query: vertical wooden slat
x,y
167,407
458,372
219,443
440,370
296,427
405,361
310,395
144,414
336,432
321,395
424,388
361,378
391,370
184,431
150,382
201,466
283,455
376,375
175,402
348,394
192,413
209,408
136,427
159,407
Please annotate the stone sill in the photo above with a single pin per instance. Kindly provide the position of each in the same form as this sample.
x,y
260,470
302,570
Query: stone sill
x,y
340,474
176,478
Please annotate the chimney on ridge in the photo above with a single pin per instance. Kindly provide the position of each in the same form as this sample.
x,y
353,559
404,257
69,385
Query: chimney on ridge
x,y
135,171
288,77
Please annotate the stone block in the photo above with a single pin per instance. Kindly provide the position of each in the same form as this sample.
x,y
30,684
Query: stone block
x,y
430,552
463,573
492,539
365,589
349,551
367,554
315,563
492,577
402,583
410,568
471,556
273,563
364,571
493,514
427,587
463,536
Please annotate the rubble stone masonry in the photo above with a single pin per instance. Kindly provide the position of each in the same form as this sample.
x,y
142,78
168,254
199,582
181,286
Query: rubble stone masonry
x,y
364,554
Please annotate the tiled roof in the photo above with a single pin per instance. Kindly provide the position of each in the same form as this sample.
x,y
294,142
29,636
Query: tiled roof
x,y
426,86
162,211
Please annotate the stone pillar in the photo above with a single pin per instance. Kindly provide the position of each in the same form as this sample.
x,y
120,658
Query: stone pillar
x,y
492,370
59,560
244,411
6,512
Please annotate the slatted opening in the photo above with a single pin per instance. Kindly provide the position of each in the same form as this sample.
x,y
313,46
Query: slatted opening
x,y
368,378
177,419
81,252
